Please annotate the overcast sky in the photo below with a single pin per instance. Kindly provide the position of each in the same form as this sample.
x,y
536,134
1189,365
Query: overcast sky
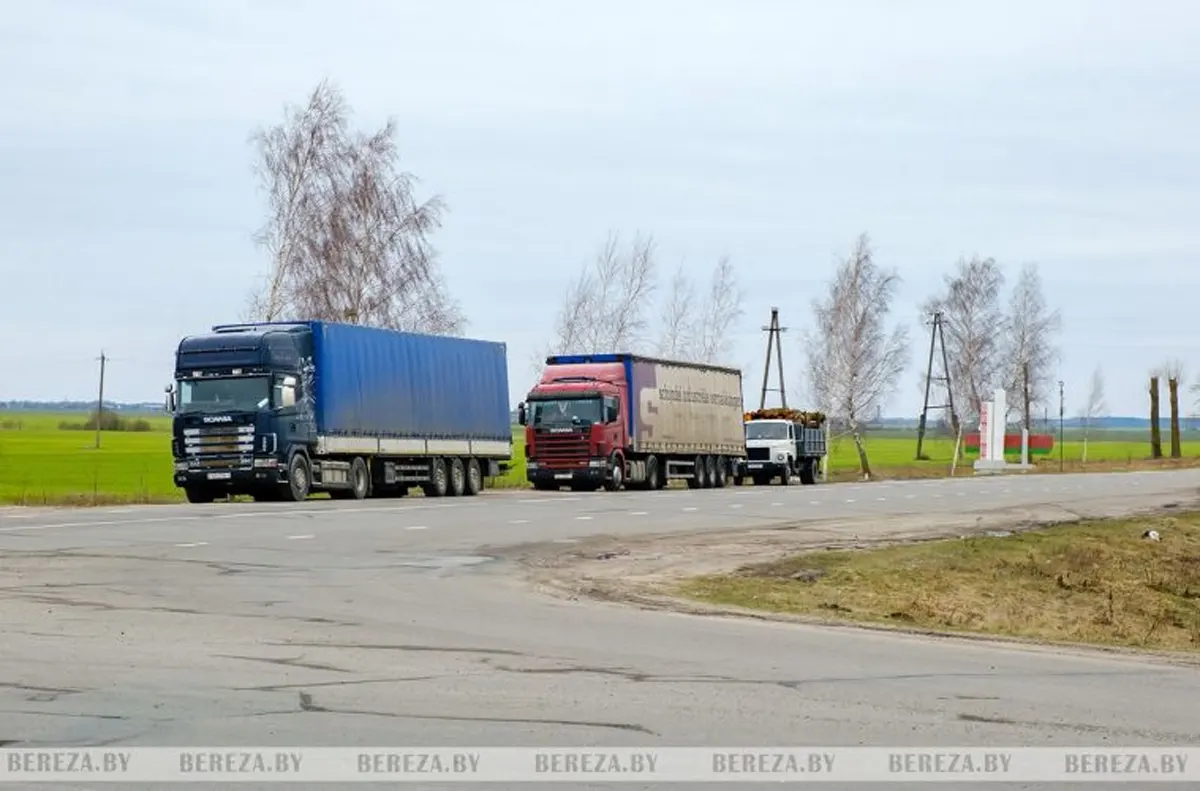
x,y
1064,133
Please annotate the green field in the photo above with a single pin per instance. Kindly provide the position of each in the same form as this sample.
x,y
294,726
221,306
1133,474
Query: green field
x,y
43,464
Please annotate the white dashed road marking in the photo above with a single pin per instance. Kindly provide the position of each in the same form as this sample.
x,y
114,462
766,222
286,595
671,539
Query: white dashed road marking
x,y
193,544
298,538
417,527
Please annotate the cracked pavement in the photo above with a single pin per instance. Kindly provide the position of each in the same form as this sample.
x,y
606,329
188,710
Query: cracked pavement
x,y
407,623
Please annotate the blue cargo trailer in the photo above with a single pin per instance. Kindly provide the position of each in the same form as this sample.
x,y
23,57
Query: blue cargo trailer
x,y
281,409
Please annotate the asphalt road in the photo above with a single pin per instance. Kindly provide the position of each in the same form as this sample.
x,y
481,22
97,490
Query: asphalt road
x,y
390,622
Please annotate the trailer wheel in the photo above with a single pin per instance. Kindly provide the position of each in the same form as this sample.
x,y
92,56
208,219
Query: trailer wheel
x,y
299,480
474,478
438,479
458,478
699,479
710,472
721,478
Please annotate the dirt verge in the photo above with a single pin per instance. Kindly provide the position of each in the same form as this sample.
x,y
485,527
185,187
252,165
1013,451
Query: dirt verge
x,y
646,571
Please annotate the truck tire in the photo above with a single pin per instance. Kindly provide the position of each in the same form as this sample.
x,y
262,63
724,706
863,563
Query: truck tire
x,y
197,494
615,481
699,479
360,479
710,472
474,478
439,481
299,479
458,478
721,479
785,474
808,472
652,473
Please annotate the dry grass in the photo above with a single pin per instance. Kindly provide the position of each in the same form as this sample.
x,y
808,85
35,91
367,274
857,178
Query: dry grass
x,y
1098,583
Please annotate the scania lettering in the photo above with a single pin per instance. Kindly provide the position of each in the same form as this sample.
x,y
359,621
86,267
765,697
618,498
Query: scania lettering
x,y
280,410
625,421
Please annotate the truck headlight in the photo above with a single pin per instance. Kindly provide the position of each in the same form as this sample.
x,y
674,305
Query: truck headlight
x,y
181,466
598,463
780,456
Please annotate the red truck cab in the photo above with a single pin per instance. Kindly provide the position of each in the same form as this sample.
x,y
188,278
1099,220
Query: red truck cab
x,y
576,423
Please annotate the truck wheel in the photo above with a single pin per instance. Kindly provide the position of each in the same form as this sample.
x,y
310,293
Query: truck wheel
x,y
438,483
721,478
699,479
808,472
196,494
785,475
652,473
360,479
710,472
474,478
299,480
458,478
617,479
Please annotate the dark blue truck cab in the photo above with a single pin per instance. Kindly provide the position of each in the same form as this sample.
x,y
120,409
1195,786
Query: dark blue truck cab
x,y
279,410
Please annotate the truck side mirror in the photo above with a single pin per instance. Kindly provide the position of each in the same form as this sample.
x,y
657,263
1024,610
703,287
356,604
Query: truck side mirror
x,y
169,400
521,413
287,392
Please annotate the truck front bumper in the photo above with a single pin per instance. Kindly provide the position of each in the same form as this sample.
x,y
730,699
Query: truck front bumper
x,y
595,472
749,469
243,479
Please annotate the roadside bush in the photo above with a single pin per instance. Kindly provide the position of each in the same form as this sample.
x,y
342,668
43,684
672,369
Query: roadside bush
x,y
108,420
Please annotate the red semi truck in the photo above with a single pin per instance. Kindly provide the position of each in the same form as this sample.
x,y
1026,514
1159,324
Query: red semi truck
x,y
622,420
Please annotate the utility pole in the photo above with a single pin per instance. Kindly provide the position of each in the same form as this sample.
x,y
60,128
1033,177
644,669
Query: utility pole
x,y
1061,413
936,334
774,338
100,400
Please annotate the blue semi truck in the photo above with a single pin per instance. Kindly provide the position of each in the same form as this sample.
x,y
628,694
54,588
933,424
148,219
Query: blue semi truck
x,y
279,410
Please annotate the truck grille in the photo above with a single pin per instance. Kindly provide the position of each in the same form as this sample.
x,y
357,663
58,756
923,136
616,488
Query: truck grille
x,y
561,450
219,448
758,454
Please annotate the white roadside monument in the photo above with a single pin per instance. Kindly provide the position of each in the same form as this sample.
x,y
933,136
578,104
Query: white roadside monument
x,y
992,428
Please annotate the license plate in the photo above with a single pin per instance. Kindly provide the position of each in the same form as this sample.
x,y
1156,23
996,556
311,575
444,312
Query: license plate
x,y
754,466
563,476
220,476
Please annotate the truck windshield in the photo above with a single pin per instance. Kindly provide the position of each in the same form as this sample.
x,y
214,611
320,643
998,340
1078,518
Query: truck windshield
x,y
766,431
232,394
566,412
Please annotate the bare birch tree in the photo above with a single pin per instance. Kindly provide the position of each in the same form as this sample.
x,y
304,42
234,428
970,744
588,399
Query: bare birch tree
x,y
606,308
975,327
609,307
1031,351
679,310
854,360
347,239
700,330
1095,407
